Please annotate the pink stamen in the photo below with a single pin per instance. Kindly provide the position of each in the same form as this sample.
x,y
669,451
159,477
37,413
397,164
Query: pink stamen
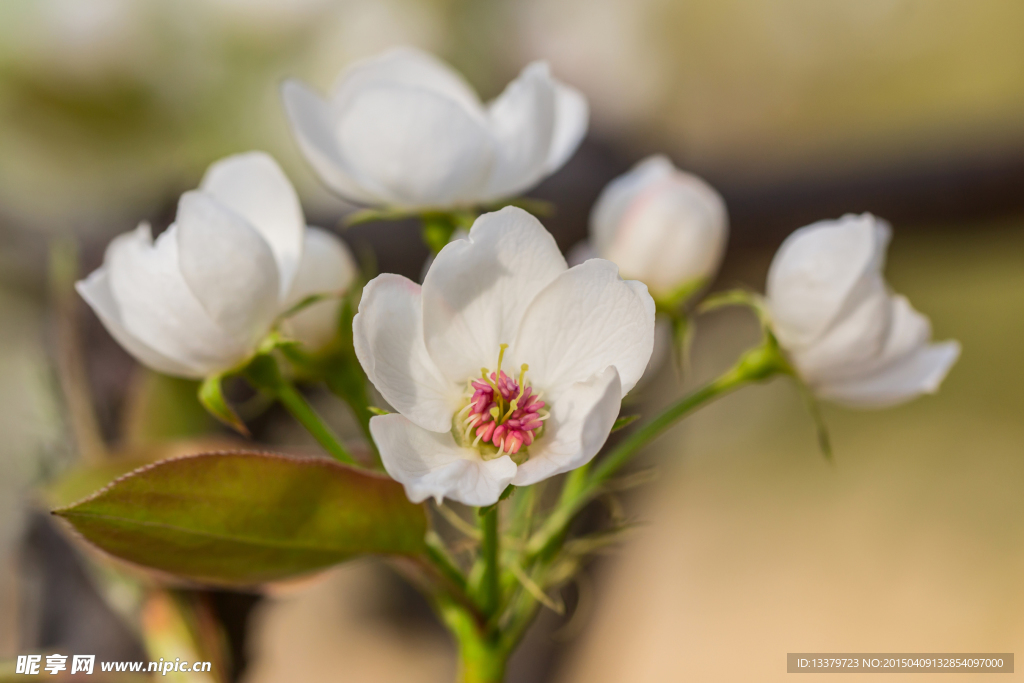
x,y
516,428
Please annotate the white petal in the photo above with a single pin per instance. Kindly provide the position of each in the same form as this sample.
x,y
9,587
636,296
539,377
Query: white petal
x,y
522,120
254,187
313,124
816,275
430,464
228,266
618,195
920,372
159,309
852,342
477,290
95,289
905,332
581,420
572,116
406,67
583,322
664,346
388,336
420,148
908,330
327,267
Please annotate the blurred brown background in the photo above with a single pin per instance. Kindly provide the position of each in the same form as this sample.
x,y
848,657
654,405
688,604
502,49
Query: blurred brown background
x,y
796,110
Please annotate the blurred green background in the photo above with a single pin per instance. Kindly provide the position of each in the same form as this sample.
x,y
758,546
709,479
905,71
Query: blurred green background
x,y
796,110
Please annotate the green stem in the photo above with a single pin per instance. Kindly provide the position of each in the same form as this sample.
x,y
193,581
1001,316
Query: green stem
x,y
489,584
345,378
299,407
755,365
482,658
622,453
264,373
438,554
481,661
575,483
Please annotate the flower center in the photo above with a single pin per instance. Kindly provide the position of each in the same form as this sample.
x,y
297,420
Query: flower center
x,y
502,416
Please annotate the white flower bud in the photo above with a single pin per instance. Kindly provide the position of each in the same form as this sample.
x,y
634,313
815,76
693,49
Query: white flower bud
x,y
661,226
850,339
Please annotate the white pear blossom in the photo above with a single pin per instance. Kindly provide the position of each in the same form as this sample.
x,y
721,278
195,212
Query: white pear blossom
x,y
404,130
850,339
506,366
662,226
199,299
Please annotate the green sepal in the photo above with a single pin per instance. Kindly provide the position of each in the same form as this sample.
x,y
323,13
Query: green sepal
x,y
244,517
371,215
509,490
764,361
161,408
439,226
305,303
274,341
437,232
683,329
211,396
675,300
820,426
624,421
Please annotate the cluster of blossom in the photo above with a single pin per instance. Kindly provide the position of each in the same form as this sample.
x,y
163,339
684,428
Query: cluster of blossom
x,y
403,131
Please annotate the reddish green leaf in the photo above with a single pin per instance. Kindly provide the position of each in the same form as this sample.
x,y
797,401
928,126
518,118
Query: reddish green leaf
x,y
244,517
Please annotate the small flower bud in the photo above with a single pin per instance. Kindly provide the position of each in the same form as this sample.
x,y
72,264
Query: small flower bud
x,y
663,227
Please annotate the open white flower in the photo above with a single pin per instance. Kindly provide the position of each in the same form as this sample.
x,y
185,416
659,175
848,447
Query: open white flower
x,y
662,226
850,339
199,299
404,130
506,366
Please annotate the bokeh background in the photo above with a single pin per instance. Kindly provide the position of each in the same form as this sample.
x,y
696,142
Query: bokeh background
x,y
752,545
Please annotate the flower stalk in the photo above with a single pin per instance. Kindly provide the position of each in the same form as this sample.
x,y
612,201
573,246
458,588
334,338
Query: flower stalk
x,y
490,597
264,373
482,656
